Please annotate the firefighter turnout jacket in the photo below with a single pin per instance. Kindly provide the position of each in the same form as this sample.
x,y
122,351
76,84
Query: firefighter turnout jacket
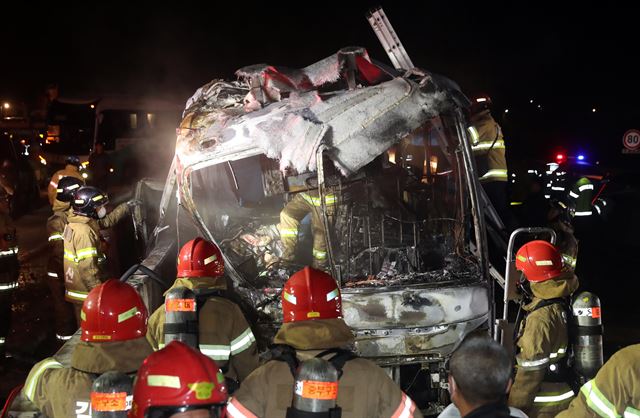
x,y
487,144
55,229
52,188
614,392
581,194
223,332
64,322
364,390
555,182
9,272
540,387
84,257
8,253
302,204
59,391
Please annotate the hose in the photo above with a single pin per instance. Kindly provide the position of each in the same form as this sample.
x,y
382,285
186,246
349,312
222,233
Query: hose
x,y
12,396
146,270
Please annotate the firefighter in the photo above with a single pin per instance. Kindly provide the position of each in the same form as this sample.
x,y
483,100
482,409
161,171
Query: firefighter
x,y
312,326
489,151
307,204
540,387
580,196
191,386
223,332
613,392
559,220
579,199
9,267
72,168
114,323
555,179
84,253
64,322
303,204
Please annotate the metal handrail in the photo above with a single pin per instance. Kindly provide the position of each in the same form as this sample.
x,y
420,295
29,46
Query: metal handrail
x,y
510,274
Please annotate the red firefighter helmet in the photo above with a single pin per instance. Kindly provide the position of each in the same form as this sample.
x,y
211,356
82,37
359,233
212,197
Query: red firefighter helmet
x,y
539,261
200,258
177,379
113,311
311,294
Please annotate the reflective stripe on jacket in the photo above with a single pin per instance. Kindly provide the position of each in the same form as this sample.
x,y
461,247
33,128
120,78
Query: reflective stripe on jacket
x,y
364,390
9,265
82,268
614,392
55,228
59,391
542,347
582,195
488,146
224,335
84,261
68,171
8,238
300,206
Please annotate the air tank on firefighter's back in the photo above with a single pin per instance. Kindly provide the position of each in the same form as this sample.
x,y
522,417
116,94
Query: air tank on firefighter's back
x,y
587,335
181,317
111,395
315,390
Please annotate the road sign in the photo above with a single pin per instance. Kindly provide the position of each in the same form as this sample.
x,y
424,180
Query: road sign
x,y
631,142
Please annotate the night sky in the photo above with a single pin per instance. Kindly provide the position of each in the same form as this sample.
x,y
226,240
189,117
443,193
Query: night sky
x,y
568,59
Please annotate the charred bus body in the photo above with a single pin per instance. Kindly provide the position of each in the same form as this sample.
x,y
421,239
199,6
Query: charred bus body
x,y
371,167
373,182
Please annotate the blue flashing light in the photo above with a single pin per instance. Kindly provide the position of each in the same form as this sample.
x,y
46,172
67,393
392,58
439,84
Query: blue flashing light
x,y
581,157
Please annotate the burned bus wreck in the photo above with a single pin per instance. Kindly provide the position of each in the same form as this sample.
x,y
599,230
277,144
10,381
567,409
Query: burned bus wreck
x,y
345,165
351,168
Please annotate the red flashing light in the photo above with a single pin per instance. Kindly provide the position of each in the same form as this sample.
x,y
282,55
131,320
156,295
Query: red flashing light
x,y
559,157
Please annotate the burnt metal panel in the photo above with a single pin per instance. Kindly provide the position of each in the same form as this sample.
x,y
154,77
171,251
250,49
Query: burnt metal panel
x,y
414,307
412,345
